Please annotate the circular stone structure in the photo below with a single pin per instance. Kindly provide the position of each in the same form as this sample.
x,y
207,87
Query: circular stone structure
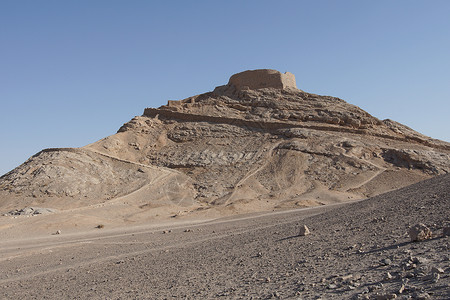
x,y
263,78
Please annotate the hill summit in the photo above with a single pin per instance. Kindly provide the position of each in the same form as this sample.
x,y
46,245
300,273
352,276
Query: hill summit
x,y
256,143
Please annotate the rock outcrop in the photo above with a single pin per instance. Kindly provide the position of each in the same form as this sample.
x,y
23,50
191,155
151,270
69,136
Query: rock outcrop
x,y
257,143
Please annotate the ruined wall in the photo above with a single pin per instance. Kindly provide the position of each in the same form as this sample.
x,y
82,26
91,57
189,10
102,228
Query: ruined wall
x,y
264,78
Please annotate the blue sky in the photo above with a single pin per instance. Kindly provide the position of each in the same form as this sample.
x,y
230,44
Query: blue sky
x,y
72,72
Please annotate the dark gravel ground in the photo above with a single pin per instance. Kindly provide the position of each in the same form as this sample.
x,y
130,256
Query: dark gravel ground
x,y
355,251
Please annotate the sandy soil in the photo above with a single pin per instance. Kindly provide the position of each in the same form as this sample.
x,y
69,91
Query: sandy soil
x,y
358,250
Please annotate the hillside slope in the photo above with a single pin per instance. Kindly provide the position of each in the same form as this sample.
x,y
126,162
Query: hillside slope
x,y
235,150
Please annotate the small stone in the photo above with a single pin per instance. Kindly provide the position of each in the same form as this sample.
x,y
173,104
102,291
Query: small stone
x,y
446,231
58,232
346,277
421,296
386,261
373,288
419,260
388,276
386,296
436,277
437,270
304,231
332,286
401,289
419,232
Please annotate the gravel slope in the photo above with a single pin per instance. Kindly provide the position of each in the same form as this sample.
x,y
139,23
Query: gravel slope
x,y
349,253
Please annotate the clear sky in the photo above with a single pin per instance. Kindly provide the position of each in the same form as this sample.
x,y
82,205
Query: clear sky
x,y
72,72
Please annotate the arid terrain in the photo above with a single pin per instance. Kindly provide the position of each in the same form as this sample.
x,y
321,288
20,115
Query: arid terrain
x,y
355,251
205,198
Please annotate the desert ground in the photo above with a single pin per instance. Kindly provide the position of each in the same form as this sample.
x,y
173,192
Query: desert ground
x,y
356,250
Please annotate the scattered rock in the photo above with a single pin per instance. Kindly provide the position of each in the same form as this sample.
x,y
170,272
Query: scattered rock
x,y
30,211
419,232
386,261
304,231
58,232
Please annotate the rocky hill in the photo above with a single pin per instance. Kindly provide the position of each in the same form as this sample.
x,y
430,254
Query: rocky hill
x,y
257,143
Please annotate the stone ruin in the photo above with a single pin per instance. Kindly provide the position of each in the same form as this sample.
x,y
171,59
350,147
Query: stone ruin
x,y
258,79
264,78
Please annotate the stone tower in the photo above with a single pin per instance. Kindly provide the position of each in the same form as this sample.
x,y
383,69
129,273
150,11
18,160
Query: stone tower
x,y
263,78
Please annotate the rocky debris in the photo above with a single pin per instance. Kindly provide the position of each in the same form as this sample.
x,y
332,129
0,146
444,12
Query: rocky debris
x,y
419,232
30,211
57,232
303,231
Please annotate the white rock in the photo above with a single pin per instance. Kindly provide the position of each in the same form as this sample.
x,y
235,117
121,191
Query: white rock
x,y
304,231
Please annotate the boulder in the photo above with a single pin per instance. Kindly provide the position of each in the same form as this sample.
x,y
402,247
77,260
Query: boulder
x,y
304,231
419,232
